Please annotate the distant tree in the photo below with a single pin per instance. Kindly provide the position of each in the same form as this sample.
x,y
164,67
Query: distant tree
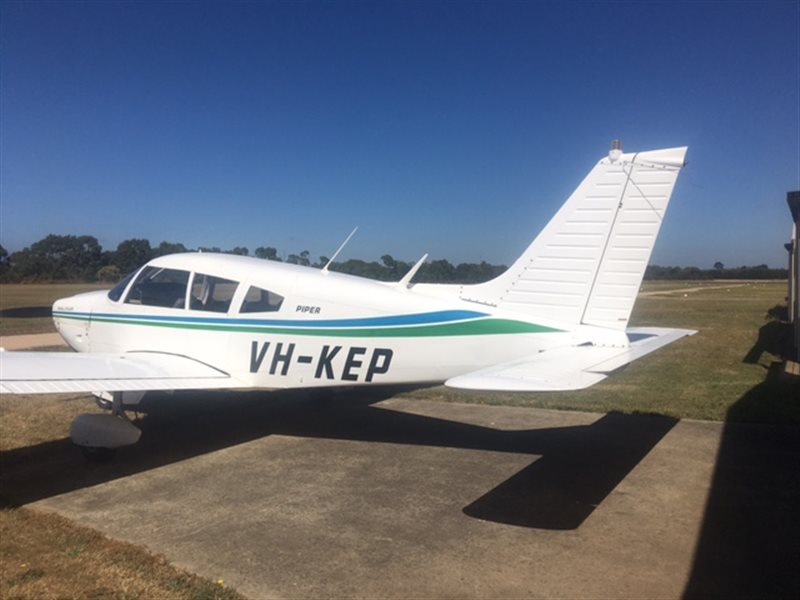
x,y
656,272
477,273
214,249
165,248
109,274
131,254
240,250
388,261
3,260
719,266
370,270
24,267
57,258
395,268
652,272
437,271
694,273
268,253
299,259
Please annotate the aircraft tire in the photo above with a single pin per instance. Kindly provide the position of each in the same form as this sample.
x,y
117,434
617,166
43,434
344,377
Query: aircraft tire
x,y
96,454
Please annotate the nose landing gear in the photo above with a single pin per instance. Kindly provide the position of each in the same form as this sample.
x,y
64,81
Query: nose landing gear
x,y
99,435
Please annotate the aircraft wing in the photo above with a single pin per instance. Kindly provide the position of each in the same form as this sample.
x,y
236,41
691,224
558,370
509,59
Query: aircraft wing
x,y
570,368
53,372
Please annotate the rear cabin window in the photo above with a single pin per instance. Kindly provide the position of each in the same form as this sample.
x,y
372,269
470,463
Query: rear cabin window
x,y
260,300
159,287
211,293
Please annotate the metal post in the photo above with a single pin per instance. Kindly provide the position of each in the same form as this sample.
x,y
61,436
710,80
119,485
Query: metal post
x,y
793,199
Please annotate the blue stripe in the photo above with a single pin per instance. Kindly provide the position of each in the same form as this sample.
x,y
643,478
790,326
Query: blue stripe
x,y
439,317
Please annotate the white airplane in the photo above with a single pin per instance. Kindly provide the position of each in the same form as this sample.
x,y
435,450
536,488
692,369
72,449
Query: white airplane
x,y
556,320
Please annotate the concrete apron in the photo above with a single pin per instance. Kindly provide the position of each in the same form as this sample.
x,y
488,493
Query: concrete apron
x,y
423,499
33,340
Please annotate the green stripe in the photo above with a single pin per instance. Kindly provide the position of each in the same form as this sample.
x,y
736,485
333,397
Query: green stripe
x,y
475,327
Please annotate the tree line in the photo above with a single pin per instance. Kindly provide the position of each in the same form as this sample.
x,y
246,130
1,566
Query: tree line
x,y
655,272
70,258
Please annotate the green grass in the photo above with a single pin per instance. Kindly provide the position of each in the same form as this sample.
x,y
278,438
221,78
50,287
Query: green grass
x,y
701,377
25,308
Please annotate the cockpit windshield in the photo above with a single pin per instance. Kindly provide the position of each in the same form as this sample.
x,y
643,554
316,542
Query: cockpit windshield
x,y
156,286
116,292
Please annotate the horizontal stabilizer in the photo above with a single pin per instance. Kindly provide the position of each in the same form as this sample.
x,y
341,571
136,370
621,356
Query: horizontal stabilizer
x,y
567,368
55,372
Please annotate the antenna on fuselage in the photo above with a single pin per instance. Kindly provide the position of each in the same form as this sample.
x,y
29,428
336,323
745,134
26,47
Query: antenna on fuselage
x,y
335,254
406,280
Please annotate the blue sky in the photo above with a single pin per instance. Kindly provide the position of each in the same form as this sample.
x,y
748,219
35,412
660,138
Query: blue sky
x,y
452,128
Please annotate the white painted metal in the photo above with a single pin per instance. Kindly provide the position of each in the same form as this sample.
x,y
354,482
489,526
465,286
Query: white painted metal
x,y
406,280
545,324
568,368
57,372
652,177
103,431
587,264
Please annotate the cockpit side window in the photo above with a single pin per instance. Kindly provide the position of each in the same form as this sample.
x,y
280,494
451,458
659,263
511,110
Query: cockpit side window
x,y
260,300
211,293
156,286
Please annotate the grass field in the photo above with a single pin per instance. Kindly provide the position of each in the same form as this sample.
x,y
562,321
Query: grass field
x,y
702,377
26,308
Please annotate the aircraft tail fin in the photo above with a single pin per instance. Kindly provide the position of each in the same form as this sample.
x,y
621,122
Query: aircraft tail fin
x,y
587,265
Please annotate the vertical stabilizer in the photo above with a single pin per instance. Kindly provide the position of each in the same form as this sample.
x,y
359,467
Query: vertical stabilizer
x,y
587,264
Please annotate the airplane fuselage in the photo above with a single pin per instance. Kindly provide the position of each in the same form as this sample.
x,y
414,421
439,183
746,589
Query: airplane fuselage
x,y
327,329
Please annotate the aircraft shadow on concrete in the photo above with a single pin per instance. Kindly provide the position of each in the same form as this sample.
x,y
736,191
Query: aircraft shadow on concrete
x,y
572,472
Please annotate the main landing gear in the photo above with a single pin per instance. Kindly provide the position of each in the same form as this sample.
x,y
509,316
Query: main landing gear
x,y
99,435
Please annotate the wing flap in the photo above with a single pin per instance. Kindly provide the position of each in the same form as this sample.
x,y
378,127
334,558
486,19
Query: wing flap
x,y
568,368
54,372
